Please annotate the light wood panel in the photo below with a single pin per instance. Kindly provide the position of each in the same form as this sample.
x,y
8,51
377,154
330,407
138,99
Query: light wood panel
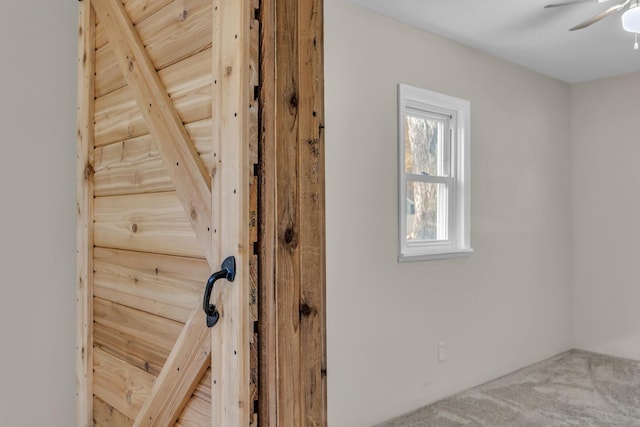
x,y
138,326
197,413
135,166
231,400
118,117
186,363
137,10
142,9
190,177
139,353
188,84
101,38
203,391
120,279
119,384
165,267
105,415
153,222
108,75
177,31
84,218
184,368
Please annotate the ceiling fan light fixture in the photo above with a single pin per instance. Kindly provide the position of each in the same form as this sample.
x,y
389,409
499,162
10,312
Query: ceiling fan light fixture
x,y
631,18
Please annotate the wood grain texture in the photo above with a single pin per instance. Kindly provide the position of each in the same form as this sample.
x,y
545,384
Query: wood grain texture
x,y
157,333
197,413
118,117
190,177
312,213
137,352
137,10
105,415
268,399
119,384
184,368
84,215
134,166
152,222
293,219
177,31
203,390
290,384
188,84
231,400
158,284
108,76
101,37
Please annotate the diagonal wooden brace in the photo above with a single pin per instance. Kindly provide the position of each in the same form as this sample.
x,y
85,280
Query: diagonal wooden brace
x,y
188,173
190,356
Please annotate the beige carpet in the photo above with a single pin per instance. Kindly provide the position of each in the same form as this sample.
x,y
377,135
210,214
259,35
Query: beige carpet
x,y
575,388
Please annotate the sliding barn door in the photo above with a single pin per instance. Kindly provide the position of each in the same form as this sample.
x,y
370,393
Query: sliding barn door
x,y
167,153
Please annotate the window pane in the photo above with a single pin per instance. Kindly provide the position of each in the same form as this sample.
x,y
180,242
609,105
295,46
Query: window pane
x,y
427,211
424,147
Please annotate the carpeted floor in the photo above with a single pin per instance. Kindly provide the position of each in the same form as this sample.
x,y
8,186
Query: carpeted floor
x,y
575,388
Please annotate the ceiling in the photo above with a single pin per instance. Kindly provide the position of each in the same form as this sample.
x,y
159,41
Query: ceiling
x,y
522,31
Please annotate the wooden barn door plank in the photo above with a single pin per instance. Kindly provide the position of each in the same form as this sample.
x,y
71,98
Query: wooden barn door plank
x,y
84,234
231,96
189,358
191,179
174,386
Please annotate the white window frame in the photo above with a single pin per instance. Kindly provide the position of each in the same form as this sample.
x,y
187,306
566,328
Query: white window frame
x,y
457,113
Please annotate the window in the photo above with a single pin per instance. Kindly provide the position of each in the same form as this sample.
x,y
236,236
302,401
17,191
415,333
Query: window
x,y
433,153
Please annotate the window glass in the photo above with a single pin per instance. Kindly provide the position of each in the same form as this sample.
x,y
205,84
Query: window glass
x,y
427,218
425,140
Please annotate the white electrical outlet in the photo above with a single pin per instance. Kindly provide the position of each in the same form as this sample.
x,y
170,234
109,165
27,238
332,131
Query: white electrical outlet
x,y
442,351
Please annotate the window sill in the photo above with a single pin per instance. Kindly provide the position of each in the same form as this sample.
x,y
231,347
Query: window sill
x,y
456,253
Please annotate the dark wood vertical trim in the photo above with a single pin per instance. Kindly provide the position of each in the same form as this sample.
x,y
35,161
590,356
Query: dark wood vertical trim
x,y
292,222
288,229
84,220
312,211
267,401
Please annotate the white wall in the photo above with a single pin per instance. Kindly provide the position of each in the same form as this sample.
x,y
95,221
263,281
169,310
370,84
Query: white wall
x,y
37,219
606,215
504,307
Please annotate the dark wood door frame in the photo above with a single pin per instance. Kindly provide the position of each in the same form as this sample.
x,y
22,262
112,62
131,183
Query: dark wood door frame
x,y
292,215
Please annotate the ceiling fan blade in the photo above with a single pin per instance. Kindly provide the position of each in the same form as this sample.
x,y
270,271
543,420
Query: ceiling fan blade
x,y
601,15
568,3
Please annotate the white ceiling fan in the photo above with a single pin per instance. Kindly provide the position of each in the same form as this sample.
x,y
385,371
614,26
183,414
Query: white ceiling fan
x,y
630,16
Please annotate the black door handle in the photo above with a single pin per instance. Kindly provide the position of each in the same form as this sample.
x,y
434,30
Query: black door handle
x,y
228,272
